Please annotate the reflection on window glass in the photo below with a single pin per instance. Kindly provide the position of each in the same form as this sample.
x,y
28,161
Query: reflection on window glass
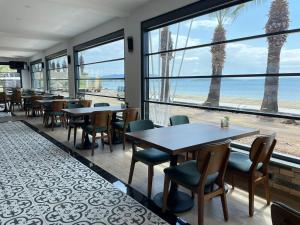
x,y
9,78
37,76
100,71
257,74
57,71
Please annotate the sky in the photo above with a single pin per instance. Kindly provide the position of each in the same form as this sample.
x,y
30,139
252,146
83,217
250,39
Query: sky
x,y
243,57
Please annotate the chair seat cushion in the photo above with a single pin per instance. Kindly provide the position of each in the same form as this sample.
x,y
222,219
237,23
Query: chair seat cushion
x,y
188,173
152,155
90,128
241,162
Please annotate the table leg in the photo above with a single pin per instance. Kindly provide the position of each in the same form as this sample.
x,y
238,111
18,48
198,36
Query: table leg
x,y
86,143
177,201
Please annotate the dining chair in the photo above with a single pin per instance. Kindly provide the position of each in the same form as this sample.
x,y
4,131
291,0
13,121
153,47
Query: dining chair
x,y
149,156
100,123
101,104
74,121
3,99
56,111
129,115
16,99
58,97
283,215
254,166
35,106
200,174
85,103
179,119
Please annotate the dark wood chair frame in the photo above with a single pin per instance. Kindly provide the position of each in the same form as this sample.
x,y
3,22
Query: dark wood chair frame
x,y
210,159
129,115
100,119
260,152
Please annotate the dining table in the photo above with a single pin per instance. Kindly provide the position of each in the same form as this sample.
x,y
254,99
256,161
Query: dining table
x,y
86,113
179,139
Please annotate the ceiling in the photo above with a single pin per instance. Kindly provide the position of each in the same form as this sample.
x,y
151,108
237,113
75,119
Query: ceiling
x,y
28,26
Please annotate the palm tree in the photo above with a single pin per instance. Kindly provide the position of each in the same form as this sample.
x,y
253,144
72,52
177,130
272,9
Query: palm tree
x,y
81,63
166,43
278,21
218,52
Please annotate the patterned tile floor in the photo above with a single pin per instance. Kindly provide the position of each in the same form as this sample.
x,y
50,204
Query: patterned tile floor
x,y
42,184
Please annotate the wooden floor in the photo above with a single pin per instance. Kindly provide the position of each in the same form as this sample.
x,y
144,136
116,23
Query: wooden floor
x,y
118,163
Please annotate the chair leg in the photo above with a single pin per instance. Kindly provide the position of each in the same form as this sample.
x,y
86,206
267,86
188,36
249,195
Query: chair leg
x,y
267,189
109,140
200,208
52,122
75,133
133,161
165,193
150,179
93,143
69,133
124,140
232,181
82,136
224,205
251,198
102,141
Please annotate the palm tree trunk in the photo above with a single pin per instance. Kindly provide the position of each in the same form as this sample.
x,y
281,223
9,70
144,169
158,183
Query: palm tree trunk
x,y
270,100
218,60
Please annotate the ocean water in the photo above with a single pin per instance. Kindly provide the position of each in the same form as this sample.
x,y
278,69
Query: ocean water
x,y
250,88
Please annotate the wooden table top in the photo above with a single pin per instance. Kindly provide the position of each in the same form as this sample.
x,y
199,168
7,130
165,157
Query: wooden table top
x,y
89,110
44,96
56,100
182,138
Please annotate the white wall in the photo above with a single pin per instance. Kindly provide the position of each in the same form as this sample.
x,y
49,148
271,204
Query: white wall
x,y
132,27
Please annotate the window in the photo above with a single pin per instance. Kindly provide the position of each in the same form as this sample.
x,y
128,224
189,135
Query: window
x,y
37,77
212,65
57,74
9,78
100,69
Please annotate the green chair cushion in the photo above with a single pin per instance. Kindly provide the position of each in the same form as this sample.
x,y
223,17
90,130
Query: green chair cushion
x,y
56,113
241,162
90,128
152,155
188,173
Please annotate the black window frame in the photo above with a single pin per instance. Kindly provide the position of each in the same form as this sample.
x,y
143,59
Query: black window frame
x,y
187,12
48,70
38,61
109,38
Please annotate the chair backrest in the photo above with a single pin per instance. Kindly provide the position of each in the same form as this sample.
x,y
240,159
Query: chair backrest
x,y
130,114
86,103
262,149
101,119
212,159
139,125
101,104
16,96
58,97
73,105
57,106
284,215
2,97
179,119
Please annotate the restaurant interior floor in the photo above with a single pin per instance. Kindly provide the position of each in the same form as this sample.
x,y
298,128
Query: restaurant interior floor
x,y
118,163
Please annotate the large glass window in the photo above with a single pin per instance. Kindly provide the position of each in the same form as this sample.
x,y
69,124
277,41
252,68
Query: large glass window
x,y
9,78
57,73
100,71
242,61
37,77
